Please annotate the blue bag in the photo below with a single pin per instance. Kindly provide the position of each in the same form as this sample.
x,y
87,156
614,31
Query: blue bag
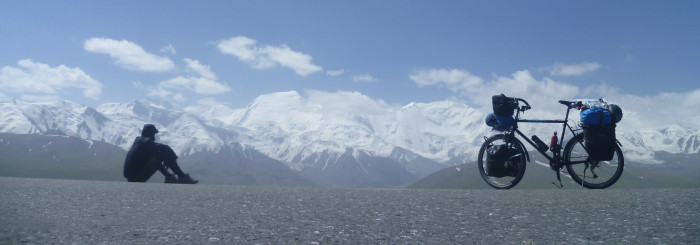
x,y
491,120
505,121
596,116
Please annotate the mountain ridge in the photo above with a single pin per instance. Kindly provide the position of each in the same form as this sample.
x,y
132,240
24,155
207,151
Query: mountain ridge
x,y
302,130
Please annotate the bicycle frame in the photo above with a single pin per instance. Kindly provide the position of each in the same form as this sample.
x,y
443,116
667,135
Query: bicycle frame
x,y
557,155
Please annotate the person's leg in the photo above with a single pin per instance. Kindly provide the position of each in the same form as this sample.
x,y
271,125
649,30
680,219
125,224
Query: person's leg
x,y
147,170
169,158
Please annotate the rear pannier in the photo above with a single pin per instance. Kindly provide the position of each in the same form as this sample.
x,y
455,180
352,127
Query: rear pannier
x,y
598,130
600,141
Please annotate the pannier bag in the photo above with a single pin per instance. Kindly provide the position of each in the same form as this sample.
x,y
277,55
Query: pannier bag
x,y
505,121
503,106
596,116
497,165
499,122
600,141
503,110
599,130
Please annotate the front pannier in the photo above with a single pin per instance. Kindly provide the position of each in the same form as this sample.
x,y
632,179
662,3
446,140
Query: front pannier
x,y
497,161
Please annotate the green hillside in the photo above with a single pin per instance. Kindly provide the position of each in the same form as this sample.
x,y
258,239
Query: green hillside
x,y
59,157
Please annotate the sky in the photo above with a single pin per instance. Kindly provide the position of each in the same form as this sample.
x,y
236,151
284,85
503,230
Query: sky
x,y
640,53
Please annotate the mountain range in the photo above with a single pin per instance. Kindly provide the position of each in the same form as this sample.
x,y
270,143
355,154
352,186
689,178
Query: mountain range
x,y
359,142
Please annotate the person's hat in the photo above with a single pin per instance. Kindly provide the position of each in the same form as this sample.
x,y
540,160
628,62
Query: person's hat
x,y
149,130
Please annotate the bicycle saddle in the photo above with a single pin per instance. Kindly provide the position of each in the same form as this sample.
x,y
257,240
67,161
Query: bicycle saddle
x,y
571,104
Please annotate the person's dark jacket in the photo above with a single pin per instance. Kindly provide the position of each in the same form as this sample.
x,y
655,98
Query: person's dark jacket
x,y
141,151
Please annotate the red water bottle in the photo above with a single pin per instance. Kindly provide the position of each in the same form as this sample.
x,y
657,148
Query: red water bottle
x,y
553,143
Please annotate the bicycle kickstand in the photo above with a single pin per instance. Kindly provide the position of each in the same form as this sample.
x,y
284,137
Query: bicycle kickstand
x,y
560,185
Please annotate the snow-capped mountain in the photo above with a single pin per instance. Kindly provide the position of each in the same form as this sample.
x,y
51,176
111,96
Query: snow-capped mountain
x,y
183,131
65,116
291,128
319,131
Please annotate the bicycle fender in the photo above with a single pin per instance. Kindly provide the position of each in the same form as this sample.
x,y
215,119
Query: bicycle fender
x,y
527,154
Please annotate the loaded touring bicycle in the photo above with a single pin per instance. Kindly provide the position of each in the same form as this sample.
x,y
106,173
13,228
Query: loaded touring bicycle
x,y
592,156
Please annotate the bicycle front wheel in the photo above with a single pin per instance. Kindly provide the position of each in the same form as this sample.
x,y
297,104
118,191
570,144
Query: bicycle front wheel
x,y
590,173
515,163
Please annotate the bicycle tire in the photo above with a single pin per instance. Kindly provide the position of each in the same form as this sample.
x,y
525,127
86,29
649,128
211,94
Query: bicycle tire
x,y
585,174
503,182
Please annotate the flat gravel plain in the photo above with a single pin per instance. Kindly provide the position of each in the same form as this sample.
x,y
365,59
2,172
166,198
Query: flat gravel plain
x,y
46,211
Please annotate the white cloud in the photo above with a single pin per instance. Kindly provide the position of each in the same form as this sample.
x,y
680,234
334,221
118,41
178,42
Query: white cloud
x,y
335,73
198,85
34,77
455,80
364,78
692,100
654,111
205,82
241,47
268,56
573,69
520,84
651,112
165,94
138,85
199,68
168,49
129,55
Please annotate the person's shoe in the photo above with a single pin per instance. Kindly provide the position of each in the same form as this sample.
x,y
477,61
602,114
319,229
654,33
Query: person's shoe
x,y
186,179
171,179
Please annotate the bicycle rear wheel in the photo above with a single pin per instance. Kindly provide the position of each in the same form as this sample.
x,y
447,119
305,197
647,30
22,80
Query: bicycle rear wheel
x,y
590,173
517,163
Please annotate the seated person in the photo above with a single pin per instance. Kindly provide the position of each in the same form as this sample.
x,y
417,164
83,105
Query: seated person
x,y
146,157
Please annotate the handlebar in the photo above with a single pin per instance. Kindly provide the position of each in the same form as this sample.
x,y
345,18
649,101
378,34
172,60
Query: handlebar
x,y
525,107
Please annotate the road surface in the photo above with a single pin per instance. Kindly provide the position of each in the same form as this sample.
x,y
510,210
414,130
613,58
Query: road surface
x,y
43,211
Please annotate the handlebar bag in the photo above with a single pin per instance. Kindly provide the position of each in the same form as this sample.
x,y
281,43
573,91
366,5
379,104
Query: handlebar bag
x,y
599,141
497,157
503,106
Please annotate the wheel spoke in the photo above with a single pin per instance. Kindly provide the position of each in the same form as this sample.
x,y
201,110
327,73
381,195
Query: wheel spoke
x,y
505,182
598,174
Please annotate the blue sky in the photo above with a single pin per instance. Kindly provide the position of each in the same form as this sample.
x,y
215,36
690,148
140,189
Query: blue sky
x,y
95,52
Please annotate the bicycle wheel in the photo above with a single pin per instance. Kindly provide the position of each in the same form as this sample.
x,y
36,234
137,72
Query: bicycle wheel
x,y
516,163
590,173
